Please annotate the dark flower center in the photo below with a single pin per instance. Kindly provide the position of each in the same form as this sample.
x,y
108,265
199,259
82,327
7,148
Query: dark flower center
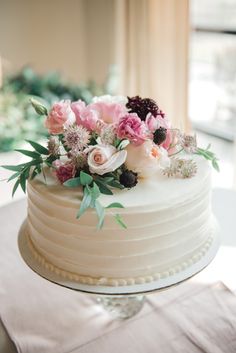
x,y
159,135
128,179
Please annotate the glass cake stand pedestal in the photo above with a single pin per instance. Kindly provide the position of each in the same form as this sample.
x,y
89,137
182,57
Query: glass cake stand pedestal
x,y
121,301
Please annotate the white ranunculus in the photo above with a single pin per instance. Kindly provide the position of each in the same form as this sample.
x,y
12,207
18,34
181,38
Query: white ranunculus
x,y
110,99
105,158
146,159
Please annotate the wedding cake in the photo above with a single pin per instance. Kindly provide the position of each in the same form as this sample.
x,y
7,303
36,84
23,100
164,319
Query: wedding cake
x,y
119,196
169,227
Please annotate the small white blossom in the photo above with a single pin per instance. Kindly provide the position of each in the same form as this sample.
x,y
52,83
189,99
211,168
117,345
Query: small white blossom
x,y
108,135
76,138
53,146
188,143
183,168
79,160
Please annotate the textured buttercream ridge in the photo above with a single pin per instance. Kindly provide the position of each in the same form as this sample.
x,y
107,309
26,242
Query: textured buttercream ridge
x,y
62,214
53,198
178,241
193,202
118,281
83,232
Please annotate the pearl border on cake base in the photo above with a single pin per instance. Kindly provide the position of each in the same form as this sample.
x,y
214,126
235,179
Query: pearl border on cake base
x,y
126,300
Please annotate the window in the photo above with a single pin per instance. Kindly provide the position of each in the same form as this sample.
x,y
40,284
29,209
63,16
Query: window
x,y
212,89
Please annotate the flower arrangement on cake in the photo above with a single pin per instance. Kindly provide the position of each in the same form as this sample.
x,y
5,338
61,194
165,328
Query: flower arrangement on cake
x,y
113,142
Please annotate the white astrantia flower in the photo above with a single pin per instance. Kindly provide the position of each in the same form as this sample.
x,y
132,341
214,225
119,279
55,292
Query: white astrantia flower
x,y
76,137
78,159
181,167
188,143
53,145
108,134
104,158
110,99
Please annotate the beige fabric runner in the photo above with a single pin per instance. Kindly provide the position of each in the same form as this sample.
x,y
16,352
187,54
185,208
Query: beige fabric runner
x,y
42,317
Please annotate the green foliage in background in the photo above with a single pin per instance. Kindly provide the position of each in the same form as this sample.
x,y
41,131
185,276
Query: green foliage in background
x,y
19,121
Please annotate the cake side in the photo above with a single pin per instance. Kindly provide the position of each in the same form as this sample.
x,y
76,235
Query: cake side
x,y
160,237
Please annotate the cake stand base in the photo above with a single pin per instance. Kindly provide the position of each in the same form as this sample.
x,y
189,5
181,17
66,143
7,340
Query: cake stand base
x,y
122,307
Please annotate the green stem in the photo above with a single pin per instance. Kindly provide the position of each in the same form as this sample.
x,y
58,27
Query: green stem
x,y
174,154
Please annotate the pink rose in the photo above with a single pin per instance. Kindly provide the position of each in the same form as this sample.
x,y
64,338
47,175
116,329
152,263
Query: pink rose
x,y
108,112
59,117
131,127
105,158
64,171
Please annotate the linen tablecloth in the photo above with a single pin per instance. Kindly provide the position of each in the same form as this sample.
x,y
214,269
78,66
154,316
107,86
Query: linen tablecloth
x,y
41,317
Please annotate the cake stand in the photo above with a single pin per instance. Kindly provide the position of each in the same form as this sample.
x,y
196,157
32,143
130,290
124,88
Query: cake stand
x,y
122,301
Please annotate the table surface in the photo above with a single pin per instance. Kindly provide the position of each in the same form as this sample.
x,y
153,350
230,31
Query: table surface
x,y
224,205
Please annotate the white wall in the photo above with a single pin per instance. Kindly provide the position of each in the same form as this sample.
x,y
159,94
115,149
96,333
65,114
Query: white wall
x,y
72,36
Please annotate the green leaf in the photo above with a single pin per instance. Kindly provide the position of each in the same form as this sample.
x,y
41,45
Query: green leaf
x,y
85,178
101,214
38,168
32,154
27,172
20,167
13,176
39,148
85,204
104,180
215,165
30,163
95,192
23,182
123,144
34,173
115,205
210,156
14,168
119,221
117,142
73,183
38,107
103,188
116,184
205,152
49,160
17,183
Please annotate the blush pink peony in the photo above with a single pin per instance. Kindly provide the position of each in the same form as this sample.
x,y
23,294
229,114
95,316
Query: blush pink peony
x,y
59,117
108,112
146,159
86,117
131,127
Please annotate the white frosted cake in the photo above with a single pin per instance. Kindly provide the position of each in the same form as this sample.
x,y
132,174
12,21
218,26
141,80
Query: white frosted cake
x,y
118,196
169,222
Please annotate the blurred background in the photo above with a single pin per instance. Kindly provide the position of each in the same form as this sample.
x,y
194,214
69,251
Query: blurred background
x,y
182,53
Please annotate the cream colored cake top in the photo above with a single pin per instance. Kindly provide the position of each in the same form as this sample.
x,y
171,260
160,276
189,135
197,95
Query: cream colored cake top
x,y
156,192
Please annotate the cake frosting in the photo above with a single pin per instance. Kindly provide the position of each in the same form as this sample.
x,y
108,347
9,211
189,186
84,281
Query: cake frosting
x,y
169,226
